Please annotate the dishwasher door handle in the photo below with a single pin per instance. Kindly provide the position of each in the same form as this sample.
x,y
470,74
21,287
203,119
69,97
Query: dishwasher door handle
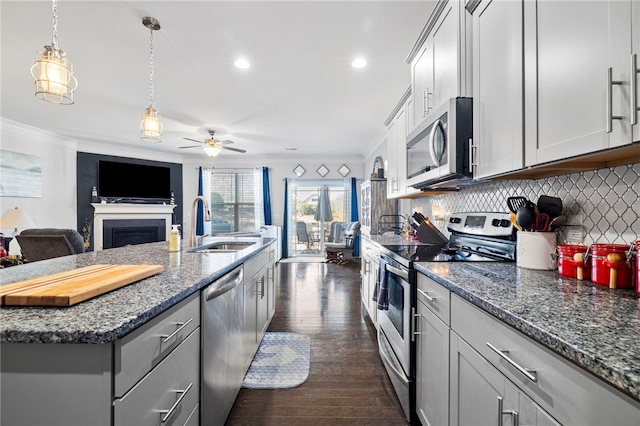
x,y
226,283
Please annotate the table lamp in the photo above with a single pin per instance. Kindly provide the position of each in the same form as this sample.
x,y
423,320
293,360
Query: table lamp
x,y
17,219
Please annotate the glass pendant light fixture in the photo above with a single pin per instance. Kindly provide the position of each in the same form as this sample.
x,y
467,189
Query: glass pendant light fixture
x,y
150,125
52,72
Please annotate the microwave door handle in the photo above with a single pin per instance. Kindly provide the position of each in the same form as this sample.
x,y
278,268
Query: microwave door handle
x,y
436,157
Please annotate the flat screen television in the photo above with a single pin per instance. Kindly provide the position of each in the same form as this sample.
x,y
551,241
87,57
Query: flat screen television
x,y
133,181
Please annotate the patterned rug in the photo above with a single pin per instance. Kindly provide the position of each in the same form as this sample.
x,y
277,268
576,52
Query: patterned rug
x,y
282,361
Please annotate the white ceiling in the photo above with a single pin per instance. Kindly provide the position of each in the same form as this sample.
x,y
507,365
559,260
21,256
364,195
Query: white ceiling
x,y
300,92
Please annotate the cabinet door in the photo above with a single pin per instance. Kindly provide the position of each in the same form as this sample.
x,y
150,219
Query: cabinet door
x,y
392,159
250,320
635,75
262,316
529,413
497,87
432,368
477,388
570,45
422,82
446,71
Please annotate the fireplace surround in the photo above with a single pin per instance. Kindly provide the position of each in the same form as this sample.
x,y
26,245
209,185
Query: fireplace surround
x,y
120,224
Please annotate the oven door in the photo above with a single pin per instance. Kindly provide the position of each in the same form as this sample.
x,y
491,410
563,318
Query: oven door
x,y
395,323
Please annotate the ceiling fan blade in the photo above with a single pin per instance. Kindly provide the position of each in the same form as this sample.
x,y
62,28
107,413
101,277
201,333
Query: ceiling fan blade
x,y
233,149
226,142
192,140
192,146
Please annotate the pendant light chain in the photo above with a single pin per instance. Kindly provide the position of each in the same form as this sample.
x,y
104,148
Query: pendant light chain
x,y
151,69
54,11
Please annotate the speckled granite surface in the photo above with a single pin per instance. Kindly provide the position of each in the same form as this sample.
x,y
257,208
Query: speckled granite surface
x,y
596,328
105,318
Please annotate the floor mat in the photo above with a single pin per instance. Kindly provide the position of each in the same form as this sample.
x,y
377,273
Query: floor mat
x,y
282,361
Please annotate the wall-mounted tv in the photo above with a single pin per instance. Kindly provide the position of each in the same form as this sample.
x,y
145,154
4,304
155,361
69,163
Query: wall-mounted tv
x,y
133,181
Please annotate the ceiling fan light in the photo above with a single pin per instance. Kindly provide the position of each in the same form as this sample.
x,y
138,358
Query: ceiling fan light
x,y
53,76
151,126
212,151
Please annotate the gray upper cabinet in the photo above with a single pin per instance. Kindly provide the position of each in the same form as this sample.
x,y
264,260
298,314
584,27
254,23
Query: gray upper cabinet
x,y
439,60
498,104
398,125
577,72
635,73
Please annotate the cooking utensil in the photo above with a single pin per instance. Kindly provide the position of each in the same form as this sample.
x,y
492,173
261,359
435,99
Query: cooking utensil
x,y
514,222
550,205
542,222
557,222
525,216
514,203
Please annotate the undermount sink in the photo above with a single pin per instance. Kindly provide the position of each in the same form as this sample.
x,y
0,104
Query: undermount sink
x,y
223,246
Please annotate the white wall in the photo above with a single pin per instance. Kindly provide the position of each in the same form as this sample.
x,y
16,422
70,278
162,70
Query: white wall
x,y
56,208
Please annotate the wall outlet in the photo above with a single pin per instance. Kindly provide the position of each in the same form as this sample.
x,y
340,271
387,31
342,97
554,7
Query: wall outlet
x,y
574,220
574,234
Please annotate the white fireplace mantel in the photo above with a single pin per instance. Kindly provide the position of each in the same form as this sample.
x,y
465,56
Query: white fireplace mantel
x,y
122,211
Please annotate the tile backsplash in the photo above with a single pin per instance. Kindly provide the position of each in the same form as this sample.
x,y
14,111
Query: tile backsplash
x,y
605,201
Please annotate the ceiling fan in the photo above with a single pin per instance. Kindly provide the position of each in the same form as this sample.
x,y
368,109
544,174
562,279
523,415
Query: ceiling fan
x,y
212,146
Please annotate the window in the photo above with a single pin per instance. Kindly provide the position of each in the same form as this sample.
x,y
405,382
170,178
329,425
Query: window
x,y
235,200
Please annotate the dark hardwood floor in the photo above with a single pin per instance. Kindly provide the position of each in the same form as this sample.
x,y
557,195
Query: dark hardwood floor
x,y
347,383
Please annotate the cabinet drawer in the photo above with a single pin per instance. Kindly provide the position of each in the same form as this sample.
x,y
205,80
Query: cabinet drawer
x,y
568,393
168,394
142,349
253,265
435,297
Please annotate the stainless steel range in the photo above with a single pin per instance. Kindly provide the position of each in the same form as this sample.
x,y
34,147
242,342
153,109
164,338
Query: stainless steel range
x,y
475,237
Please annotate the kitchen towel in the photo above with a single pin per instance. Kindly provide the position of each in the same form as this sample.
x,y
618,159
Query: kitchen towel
x,y
381,287
282,361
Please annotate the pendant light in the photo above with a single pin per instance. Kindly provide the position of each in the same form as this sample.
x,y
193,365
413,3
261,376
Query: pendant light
x,y
52,72
150,125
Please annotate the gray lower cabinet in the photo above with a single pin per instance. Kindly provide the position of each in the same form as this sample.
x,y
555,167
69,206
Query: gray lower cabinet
x,y
256,302
490,359
369,275
168,394
481,395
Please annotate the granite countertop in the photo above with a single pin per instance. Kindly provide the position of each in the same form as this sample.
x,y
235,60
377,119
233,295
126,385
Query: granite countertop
x,y
108,317
594,327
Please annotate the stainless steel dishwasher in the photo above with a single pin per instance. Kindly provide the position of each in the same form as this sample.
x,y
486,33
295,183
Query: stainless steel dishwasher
x,y
222,362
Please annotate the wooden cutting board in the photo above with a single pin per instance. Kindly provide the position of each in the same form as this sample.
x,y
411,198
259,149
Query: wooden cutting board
x,y
75,286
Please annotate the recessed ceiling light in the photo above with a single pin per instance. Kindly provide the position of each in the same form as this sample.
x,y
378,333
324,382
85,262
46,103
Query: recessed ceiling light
x,y
291,149
242,63
359,63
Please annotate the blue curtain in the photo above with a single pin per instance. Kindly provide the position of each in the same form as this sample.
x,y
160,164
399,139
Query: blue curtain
x,y
285,227
199,213
266,195
354,215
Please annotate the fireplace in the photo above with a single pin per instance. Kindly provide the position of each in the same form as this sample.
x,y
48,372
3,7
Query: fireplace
x,y
119,233
117,225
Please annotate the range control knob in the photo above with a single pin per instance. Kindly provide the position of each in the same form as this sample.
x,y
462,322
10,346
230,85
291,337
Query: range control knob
x,y
505,223
454,219
495,222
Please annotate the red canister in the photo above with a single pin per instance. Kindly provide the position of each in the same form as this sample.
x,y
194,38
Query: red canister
x,y
573,261
609,265
638,266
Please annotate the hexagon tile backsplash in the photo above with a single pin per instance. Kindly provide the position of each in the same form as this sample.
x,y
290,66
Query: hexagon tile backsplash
x,y
605,201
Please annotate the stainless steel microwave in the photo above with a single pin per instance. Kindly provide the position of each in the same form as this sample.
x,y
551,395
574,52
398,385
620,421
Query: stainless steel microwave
x,y
438,149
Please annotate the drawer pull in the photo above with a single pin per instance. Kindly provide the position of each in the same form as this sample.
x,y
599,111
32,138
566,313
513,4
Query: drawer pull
x,y
527,372
429,298
501,412
182,325
171,410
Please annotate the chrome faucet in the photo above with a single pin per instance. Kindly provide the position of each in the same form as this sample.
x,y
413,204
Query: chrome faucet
x,y
207,217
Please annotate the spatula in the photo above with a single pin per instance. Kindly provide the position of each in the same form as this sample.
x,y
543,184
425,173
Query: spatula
x,y
514,203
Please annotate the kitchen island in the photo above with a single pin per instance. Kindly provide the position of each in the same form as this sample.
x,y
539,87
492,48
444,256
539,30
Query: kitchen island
x,y
80,364
577,342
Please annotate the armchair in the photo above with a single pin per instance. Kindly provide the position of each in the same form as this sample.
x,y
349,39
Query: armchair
x,y
342,252
47,243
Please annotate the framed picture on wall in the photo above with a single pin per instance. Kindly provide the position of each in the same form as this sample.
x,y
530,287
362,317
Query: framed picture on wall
x,y
21,175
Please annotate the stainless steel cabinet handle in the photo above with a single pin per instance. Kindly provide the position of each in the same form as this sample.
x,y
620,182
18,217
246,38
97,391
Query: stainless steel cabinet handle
x,y
182,325
610,83
527,372
634,89
414,318
501,412
171,410
426,296
472,155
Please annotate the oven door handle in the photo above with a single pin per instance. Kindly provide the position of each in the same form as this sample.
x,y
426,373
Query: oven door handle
x,y
398,272
385,358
